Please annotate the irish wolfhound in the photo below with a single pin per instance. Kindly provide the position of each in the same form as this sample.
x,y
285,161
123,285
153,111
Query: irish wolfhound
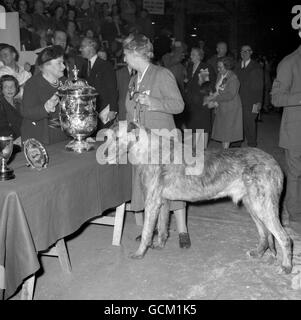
x,y
245,174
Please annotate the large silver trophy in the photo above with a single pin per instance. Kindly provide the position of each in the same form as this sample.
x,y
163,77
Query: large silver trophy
x,y
78,115
6,149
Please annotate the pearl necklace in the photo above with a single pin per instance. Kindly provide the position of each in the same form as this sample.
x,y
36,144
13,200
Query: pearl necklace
x,y
54,84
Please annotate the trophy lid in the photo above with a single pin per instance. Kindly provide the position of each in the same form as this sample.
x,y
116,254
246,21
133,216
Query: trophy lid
x,y
76,87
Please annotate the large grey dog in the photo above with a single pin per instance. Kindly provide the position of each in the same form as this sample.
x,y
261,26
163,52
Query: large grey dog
x,y
244,174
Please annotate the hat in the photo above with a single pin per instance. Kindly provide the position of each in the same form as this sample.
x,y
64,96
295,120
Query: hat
x,y
50,53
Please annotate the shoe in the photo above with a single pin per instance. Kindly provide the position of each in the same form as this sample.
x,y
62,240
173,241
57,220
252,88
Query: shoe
x,y
184,240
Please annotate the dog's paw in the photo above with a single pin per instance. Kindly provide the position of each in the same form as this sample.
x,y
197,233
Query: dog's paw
x,y
158,246
255,254
286,269
137,256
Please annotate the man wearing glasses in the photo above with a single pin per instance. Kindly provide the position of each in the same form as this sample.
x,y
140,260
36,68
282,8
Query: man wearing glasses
x,y
250,75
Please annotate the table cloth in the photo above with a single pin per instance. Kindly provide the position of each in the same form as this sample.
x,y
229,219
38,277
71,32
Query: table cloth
x,y
38,208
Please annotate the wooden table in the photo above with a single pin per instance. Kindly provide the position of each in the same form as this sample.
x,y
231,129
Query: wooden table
x,y
39,208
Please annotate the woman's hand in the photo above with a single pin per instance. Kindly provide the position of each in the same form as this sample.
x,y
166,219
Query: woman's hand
x,y
146,100
212,104
51,103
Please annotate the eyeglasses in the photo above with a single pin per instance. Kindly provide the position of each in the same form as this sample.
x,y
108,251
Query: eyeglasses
x,y
244,51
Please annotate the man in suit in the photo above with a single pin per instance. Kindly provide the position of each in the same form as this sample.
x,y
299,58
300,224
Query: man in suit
x,y
286,93
101,76
70,59
123,76
221,51
250,75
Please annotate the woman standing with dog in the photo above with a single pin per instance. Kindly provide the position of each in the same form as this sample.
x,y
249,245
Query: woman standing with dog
x,y
228,123
152,100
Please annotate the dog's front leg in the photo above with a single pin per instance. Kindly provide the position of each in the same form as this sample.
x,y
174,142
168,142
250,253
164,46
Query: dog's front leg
x,y
152,209
162,225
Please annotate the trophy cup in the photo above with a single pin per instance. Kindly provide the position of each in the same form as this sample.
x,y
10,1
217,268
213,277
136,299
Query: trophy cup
x,y
6,149
78,115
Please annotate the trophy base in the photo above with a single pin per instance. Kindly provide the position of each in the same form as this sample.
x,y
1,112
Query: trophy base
x,y
7,175
79,146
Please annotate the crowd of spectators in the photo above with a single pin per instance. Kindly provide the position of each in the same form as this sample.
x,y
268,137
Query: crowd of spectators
x,y
108,24
222,94
70,23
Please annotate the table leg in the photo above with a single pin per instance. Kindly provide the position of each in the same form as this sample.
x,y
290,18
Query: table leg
x,y
118,225
116,221
28,288
138,214
63,255
139,218
60,250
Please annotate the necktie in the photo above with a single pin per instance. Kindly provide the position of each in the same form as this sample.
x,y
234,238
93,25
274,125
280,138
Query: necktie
x,y
89,68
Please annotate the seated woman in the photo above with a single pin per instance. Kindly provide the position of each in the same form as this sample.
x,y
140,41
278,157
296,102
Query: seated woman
x,y
10,117
10,57
40,99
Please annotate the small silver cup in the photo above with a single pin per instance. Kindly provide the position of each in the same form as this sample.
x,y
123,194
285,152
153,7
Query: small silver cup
x,y
6,149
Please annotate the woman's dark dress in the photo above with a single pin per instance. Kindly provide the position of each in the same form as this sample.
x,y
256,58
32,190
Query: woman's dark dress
x,y
10,119
35,124
197,116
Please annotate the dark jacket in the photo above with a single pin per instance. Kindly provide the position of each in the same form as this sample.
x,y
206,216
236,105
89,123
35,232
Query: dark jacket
x,y
123,78
197,116
36,119
286,92
192,89
10,119
251,84
103,79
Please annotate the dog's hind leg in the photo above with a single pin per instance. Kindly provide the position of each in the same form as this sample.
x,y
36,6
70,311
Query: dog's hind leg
x,y
265,216
162,225
262,230
272,222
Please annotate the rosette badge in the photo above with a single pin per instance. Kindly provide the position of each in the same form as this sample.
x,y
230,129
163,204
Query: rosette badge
x,y
78,115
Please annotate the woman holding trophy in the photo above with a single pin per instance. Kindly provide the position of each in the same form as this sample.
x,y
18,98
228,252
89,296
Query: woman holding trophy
x,y
40,99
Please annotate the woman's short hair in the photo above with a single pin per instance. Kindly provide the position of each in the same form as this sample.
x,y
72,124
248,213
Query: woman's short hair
x,y
139,43
50,53
8,77
12,49
228,62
